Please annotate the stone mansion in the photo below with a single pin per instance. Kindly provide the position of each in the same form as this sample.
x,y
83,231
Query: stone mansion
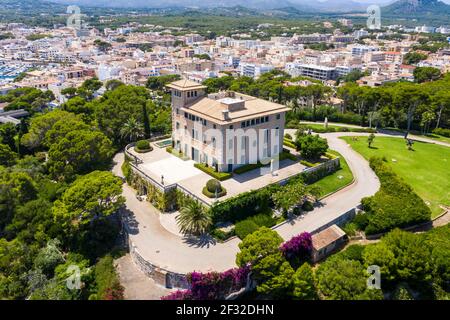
x,y
224,130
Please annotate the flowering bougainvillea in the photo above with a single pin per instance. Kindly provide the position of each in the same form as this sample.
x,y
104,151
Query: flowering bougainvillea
x,y
179,295
212,285
298,247
217,285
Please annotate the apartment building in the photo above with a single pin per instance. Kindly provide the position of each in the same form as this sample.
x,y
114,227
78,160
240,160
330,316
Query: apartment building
x,y
224,130
310,38
199,65
254,70
361,50
393,56
311,70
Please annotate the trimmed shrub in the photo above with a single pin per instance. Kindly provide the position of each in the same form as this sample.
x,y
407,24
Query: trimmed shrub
x,y
395,205
244,205
221,176
310,177
213,185
286,154
330,156
289,143
367,130
321,130
287,136
245,227
143,146
309,164
247,167
211,195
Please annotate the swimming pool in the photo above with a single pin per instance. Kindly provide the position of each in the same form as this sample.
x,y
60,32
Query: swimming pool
x,y
164,143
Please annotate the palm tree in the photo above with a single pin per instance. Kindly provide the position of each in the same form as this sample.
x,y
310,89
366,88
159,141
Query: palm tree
x,y
132,130
194,219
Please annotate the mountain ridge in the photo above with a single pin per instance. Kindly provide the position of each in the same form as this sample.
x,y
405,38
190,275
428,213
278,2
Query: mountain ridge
x,y
417,9
315,5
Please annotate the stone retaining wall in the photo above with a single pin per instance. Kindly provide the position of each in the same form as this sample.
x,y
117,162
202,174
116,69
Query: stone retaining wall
x,y
161,276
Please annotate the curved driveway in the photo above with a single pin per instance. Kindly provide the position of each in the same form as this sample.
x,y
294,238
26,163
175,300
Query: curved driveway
x,y
182,255
365,184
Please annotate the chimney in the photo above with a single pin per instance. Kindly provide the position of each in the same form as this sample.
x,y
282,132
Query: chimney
x,y
225,115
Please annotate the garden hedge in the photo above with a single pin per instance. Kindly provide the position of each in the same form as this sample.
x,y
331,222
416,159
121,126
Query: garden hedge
x,y
310,177
221,176
289,143
253,202
244,205
442,132
395,205
340,129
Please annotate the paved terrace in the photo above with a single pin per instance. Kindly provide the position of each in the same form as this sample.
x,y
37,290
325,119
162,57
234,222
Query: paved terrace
x,y
159,163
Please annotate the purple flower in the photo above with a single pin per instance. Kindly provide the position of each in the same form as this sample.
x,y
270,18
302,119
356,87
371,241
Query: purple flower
x,y
217,285
179,295
299,246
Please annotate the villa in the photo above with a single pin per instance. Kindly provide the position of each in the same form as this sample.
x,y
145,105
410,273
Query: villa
x,y
224,130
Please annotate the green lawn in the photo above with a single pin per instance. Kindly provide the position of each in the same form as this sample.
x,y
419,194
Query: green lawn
x,y
337,180
426,169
